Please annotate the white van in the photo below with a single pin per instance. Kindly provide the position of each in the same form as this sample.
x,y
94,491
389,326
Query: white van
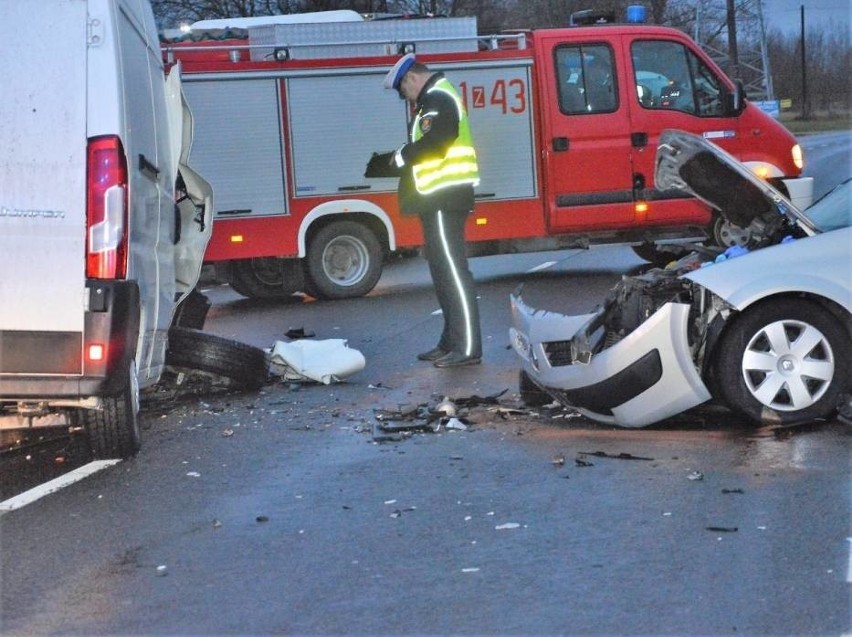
x,y
102,224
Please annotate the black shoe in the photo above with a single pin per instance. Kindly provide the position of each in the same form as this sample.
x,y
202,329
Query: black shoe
x,y
433,354
457,359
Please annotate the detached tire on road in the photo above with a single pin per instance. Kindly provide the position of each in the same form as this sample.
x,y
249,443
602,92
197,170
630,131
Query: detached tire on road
x,y
243,365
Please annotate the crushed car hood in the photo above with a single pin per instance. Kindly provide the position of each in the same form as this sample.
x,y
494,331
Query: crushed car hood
x,y
690,163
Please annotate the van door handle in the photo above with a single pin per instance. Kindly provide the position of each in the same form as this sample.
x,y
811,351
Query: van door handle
x,y
560,144
148,168
639,140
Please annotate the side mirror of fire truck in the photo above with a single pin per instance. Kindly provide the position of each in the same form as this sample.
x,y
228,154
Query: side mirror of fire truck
x,y
735,101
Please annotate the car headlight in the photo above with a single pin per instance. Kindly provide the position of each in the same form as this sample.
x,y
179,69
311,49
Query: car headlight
x,y
520,343
798,157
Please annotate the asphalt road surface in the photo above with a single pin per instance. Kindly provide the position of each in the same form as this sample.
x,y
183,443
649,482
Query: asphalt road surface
x,y
287,511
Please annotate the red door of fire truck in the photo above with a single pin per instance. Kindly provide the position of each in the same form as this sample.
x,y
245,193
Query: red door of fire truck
x,y
675,88
585,134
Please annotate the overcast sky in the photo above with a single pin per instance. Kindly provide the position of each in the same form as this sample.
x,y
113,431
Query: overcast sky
x,y
786,15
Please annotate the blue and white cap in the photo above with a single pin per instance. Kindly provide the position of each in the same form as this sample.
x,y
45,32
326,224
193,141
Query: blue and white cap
x,y
395,75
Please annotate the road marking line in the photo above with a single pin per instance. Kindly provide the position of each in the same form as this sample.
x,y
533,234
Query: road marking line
x,y
52,486
849,565
542,266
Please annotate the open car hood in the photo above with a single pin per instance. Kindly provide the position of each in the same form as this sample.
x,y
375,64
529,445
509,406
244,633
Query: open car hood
x,y
690,163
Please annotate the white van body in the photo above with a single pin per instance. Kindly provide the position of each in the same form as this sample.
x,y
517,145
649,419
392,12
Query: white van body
x,y
95,255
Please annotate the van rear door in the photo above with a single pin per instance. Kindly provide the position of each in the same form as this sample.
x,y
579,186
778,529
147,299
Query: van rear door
x,y
43,188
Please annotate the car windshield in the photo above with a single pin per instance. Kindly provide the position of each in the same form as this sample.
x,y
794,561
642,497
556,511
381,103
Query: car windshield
x,y
833,210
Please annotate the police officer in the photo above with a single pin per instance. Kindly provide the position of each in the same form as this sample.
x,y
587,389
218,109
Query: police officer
x,y
438,171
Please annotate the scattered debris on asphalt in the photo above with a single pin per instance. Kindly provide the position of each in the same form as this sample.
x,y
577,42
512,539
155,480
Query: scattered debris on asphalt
x,y
695,475
617,456
723,529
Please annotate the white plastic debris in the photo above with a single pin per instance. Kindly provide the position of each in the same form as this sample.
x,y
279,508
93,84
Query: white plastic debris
x,y
507,526
446,407
325,361
455,424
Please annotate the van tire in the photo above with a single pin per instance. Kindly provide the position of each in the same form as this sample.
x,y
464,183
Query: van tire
x,y
114,431
344,261
244,366
192,311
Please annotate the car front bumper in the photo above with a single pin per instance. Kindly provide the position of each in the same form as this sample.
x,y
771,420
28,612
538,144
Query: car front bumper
x,y
645,377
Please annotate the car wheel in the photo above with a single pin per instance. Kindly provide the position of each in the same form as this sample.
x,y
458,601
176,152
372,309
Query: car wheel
x,y
344,261
531,394
265,277
113,431
786,360
244,366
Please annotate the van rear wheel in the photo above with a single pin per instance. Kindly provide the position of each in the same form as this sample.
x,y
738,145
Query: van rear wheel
x,y
244,366
113,431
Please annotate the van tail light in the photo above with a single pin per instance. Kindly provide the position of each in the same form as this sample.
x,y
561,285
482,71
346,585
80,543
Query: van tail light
x,y
106,209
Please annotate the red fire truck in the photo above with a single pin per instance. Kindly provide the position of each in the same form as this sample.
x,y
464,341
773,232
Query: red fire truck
x,y
565,123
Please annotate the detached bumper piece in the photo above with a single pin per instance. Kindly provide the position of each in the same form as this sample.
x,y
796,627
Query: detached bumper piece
x,y
647,376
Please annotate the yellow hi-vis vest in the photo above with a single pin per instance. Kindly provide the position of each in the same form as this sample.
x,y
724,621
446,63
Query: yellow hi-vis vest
x,y
459,165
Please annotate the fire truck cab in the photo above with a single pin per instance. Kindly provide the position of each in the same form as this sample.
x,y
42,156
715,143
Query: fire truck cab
x,y
565,123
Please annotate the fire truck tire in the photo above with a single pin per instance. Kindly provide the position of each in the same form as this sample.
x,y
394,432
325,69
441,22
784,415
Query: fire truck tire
x,y
344,261
652,253
244,366
114,431
265,277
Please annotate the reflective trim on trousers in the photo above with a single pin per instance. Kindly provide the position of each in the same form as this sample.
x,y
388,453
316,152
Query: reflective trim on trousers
x,y
468,327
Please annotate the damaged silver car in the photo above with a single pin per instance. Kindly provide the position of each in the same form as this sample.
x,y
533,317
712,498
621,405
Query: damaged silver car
x,y
764,327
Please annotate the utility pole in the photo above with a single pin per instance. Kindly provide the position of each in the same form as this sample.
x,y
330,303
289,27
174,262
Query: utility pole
x,y
746,56
733,53
805,105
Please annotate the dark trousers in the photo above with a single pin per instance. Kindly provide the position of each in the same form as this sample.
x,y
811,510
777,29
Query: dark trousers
x,y
445,252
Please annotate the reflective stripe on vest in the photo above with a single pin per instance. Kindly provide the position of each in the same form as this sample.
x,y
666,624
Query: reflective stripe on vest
x,y
459,165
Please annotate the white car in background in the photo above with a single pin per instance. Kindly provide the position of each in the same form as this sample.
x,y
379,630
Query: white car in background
x,y
765,328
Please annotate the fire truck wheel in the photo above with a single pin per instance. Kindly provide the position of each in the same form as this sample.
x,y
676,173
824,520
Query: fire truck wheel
x,y
265,277
657,255
725,234
344,261
244,366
